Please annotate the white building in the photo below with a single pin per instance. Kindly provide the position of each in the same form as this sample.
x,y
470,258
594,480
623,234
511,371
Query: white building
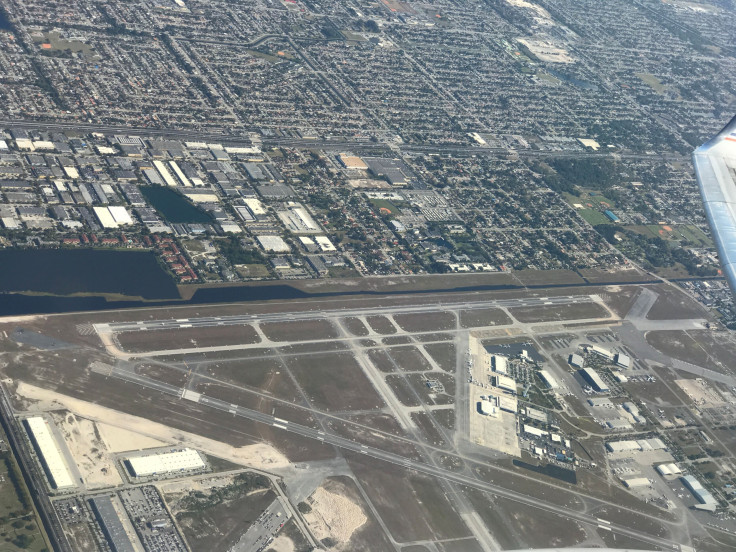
x,y
165,463
548,379
499,364
622,360
275,244
49,452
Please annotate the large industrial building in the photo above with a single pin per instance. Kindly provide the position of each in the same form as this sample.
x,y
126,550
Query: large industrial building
x,y
499,364
594,380
549,379
707,502
113,216
111,525
165,463
49,453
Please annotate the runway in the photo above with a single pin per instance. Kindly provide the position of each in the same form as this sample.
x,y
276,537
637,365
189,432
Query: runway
x,y
234,320
396,459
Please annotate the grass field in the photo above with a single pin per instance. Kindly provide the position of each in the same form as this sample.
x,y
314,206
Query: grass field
x,y
593,217
653,82
215,518
19,528
381,204
334,381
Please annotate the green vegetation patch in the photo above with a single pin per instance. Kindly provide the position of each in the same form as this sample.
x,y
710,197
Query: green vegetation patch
x,y
19,527
383,205
233,250
216,518
653,82
593,217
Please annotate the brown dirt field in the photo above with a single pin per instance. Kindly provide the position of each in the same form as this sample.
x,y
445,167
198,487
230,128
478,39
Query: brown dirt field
x,y
396,340
478,318
409,359
428,337
494,518
549,313
334,381
263,374
678,344
464,545
425,322
372,438
368,537
302,330
675,304
219,527
418,382
715,350
552,277
355,326
380,359
594,275
382,422
81,537
620,299
445,417
444,354
402,390
165,374
162,340
413,506
381,325
430,432
319,347
58,372
542,529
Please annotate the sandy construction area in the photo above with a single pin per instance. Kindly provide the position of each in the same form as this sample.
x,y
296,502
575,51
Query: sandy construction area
x,y
282,543
118,439
89,451
334,516
260,456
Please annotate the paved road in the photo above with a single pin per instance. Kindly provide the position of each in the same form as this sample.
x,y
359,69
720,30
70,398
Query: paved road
x,y
238,319
338,144
261,533
396,459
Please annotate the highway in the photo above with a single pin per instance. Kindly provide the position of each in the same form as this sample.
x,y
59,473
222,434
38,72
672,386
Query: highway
x,y
338,144
385,456
238,319
35,482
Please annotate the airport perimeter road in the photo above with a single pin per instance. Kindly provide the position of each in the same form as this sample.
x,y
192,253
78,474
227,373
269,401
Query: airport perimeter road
x,y
347,444
234,320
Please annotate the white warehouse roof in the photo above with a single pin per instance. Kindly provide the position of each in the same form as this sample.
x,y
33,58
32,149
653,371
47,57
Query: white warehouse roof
x,y
548,379
48,449
166,462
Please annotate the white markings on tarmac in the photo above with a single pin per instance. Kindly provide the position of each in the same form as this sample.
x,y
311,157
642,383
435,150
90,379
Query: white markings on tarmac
x,y
279,426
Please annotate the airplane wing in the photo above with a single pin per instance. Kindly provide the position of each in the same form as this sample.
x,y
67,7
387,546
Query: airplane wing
x,y
715,169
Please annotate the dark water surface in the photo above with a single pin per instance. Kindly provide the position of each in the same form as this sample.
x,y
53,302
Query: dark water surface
x,y
67,271
173,206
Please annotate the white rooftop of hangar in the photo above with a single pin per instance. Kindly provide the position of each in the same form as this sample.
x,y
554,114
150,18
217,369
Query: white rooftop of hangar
x,y
166,462
50,453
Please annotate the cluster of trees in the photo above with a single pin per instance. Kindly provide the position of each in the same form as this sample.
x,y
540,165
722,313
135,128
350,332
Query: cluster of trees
x,y
232,249
653,252
567,175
